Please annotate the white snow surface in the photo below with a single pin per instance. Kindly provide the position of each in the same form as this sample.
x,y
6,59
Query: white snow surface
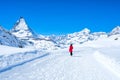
x,y
7,50
93,60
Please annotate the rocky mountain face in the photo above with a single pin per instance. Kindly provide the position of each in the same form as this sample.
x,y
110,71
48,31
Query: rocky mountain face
x,y
21,31
6,38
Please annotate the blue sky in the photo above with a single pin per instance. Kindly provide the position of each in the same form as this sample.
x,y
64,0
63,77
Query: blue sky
x,y
61,16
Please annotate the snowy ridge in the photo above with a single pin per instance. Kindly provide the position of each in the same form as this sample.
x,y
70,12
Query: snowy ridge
x,y
115,31
6,38
78,37
21,30
54,42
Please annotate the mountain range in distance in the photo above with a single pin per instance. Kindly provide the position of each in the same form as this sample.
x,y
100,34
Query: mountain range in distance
x,y
21,35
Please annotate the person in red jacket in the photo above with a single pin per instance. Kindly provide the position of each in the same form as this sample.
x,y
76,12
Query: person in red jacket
x,y
71,49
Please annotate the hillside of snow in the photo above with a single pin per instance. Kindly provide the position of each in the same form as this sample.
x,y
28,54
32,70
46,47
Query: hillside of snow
x,y
6,38
14,56
92,60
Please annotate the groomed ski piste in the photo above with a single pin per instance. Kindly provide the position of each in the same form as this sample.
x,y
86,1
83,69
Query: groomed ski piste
x,y
93,60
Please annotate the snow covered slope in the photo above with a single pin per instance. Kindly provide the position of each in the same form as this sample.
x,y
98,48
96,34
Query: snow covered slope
x,y
93,60
6,38
95,56
13,56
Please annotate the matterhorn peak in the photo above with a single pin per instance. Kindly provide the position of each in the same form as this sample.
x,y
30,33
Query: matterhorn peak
x,y
21,29
21,24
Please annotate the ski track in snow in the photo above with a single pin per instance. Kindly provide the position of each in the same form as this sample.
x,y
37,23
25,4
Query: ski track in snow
x,y
60,66
22,63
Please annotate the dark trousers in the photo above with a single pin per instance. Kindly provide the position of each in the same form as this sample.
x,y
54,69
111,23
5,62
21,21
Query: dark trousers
x,y
71,53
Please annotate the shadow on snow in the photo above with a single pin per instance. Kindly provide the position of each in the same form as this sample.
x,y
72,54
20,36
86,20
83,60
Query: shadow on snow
x,y
19,64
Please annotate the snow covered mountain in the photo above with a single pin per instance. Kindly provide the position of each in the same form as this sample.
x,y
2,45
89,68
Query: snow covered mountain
x,y
115,31
21,30
6,38
77,37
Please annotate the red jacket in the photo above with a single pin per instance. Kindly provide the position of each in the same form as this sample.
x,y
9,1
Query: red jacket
x,y
70,48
